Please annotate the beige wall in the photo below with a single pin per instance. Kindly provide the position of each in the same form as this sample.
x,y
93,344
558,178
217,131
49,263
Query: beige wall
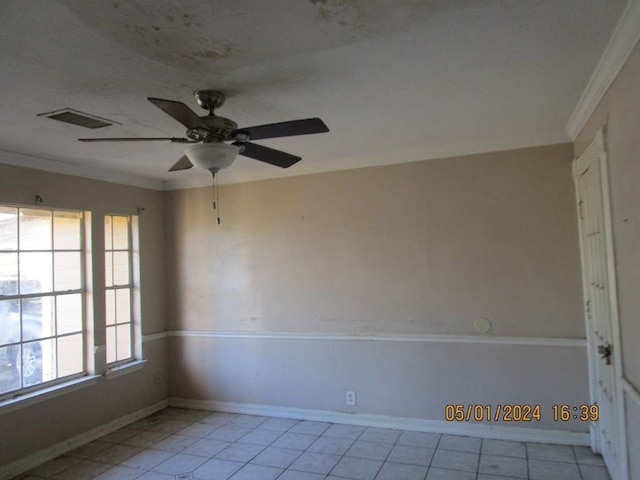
x,y
398,379
619,111
418,248
32,428
423,247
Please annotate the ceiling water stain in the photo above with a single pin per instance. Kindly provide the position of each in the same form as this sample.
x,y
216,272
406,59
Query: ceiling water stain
x,y
191,33
225,51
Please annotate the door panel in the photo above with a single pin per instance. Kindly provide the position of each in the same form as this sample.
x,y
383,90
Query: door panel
x,y
599,292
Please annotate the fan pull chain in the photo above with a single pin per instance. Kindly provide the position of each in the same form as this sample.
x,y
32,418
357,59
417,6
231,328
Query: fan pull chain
x,y
213,190
217,200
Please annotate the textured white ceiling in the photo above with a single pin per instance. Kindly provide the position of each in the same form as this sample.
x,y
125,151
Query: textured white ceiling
x,y
394,80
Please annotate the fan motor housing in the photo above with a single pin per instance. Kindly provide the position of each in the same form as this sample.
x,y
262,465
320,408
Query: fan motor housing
x,y
220,128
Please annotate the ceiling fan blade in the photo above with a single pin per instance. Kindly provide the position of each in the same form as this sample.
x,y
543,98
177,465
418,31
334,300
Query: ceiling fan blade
x,y
180,112
286,129
137,139
183,164
267,155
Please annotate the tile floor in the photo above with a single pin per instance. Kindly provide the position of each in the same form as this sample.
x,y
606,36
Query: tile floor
x,y
192,444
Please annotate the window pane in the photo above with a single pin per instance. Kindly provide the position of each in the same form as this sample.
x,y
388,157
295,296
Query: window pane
x,y
9,375
9,322
108,269
35,272
35,229
120,268
32,305
111,344
124,341
40,250
69,313
38,319
8,228
70,354
110,299
8,273
66,230
120,233
67,270
123,305
38,362
108,233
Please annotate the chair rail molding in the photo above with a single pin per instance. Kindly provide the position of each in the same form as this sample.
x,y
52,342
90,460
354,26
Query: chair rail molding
x,y
384,337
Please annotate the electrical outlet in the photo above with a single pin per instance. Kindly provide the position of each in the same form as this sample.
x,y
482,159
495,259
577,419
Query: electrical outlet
x,y
350,398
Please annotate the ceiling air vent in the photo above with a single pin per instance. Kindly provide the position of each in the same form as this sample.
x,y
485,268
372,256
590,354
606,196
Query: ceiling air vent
x,y
81,119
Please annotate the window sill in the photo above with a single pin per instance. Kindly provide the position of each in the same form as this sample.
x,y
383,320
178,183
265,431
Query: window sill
x,y
54,391
120,370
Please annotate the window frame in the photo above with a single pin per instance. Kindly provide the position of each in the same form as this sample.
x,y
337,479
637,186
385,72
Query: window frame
x,y
132,286
84,232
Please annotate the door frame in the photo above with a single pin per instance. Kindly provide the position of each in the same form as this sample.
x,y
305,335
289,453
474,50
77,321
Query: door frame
x,y
596,152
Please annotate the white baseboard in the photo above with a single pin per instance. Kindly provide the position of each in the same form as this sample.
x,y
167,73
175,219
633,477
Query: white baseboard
x,y
24,464
499,432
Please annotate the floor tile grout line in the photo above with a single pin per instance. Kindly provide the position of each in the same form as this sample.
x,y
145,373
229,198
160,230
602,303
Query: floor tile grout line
x,y
573,450
388,454
435,449
189,421
347,450
272,442
479,458
526,457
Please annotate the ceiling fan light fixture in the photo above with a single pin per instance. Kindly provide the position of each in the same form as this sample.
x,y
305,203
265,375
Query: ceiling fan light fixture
x,y
212,156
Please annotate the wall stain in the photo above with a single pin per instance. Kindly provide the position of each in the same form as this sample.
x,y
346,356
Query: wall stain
x,y
224,51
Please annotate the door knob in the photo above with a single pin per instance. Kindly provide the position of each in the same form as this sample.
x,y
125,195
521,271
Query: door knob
x,y
605,352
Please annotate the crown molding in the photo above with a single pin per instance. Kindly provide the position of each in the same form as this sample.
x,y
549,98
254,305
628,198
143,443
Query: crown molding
x,y
455,149
330,165
624,38
55,166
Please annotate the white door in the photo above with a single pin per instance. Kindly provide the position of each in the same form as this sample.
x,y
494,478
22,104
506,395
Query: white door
x,y
600,303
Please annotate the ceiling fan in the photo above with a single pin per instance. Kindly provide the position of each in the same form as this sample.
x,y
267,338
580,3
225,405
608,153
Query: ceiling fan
x,y
208,134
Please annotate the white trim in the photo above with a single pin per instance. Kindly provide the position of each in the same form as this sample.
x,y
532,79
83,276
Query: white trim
x,y
590,155
326,165
386,337
64,168
37,396
631,390
125,369
577,168
622,42
596,153
500,432
24,464
154,336
455,149
622,472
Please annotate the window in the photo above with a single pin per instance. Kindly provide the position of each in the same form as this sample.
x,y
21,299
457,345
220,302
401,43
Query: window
x,y
42,327
119,288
